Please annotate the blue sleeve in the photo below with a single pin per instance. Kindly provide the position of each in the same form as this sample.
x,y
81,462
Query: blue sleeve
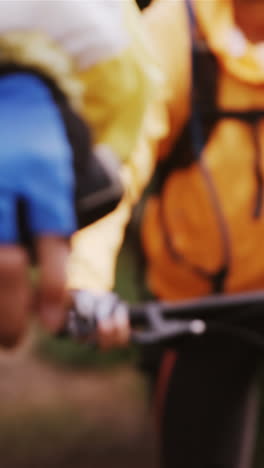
x,y
35,160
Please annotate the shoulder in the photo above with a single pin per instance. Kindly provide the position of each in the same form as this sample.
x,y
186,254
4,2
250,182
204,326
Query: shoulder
x,y
167,23
168,26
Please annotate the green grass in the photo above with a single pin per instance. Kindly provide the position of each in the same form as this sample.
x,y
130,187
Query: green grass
x,y
68,354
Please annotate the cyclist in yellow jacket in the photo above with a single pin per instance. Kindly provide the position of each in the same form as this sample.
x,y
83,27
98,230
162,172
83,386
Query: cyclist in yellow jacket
x,y
62,64
171,225
202,227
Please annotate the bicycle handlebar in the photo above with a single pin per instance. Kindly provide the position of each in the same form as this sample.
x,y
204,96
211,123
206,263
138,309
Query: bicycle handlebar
x,y
233,306
240,315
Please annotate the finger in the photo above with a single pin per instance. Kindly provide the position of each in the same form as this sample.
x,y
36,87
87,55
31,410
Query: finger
x,y
122,326
114,331
106,334
14,284
14,294
52,254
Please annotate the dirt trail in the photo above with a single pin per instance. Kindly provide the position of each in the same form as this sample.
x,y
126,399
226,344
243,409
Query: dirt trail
x,y
65,419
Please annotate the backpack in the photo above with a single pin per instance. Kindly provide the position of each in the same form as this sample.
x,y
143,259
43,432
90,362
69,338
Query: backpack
x,y
187,151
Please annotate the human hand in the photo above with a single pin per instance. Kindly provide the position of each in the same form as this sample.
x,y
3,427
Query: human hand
x,y
103,317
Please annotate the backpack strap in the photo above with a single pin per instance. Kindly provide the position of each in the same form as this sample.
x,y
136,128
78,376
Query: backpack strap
x,y
203,107
204,111
188,149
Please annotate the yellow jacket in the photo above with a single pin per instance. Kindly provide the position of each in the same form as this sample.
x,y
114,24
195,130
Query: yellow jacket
x,y
181,223
229,156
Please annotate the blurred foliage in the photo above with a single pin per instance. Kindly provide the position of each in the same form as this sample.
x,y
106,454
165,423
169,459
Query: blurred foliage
x,y
76,356
128,278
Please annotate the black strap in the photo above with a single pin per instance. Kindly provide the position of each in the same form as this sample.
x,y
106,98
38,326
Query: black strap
x,y
203,107
195,120
204,114
204,70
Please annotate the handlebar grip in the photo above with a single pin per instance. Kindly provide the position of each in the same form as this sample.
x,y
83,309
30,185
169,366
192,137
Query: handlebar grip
x,y
87,310
78,327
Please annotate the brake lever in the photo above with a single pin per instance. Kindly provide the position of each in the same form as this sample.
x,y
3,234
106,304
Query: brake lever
x,y
162,329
